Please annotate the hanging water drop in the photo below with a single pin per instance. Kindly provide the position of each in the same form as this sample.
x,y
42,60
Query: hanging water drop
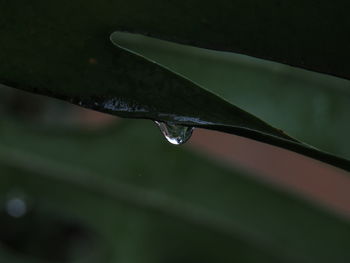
x,y
174,133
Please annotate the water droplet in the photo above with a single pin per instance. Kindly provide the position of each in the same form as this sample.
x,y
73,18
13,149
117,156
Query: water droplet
x,y
174,133
16,207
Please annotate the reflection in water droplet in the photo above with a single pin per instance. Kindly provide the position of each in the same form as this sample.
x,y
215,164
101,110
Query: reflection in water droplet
x,y
175,134
16,207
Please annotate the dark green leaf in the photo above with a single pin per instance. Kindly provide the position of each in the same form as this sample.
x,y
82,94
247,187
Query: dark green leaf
x,y
311,107
62,49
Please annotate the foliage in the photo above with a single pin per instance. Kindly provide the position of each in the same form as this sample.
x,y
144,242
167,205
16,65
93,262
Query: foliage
x,y
121,194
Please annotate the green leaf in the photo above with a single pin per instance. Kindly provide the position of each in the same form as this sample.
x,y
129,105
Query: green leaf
x,y
153,202
311,107
62,50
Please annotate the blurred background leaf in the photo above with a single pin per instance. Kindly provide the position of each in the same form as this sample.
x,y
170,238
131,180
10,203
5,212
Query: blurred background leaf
x,y
297,33
147,201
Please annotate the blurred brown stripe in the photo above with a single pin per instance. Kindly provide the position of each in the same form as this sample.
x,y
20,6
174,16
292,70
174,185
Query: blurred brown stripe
x,y
321,183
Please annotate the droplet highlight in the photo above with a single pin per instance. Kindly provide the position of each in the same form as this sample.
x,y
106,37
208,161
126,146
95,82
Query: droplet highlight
x,y
174,133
